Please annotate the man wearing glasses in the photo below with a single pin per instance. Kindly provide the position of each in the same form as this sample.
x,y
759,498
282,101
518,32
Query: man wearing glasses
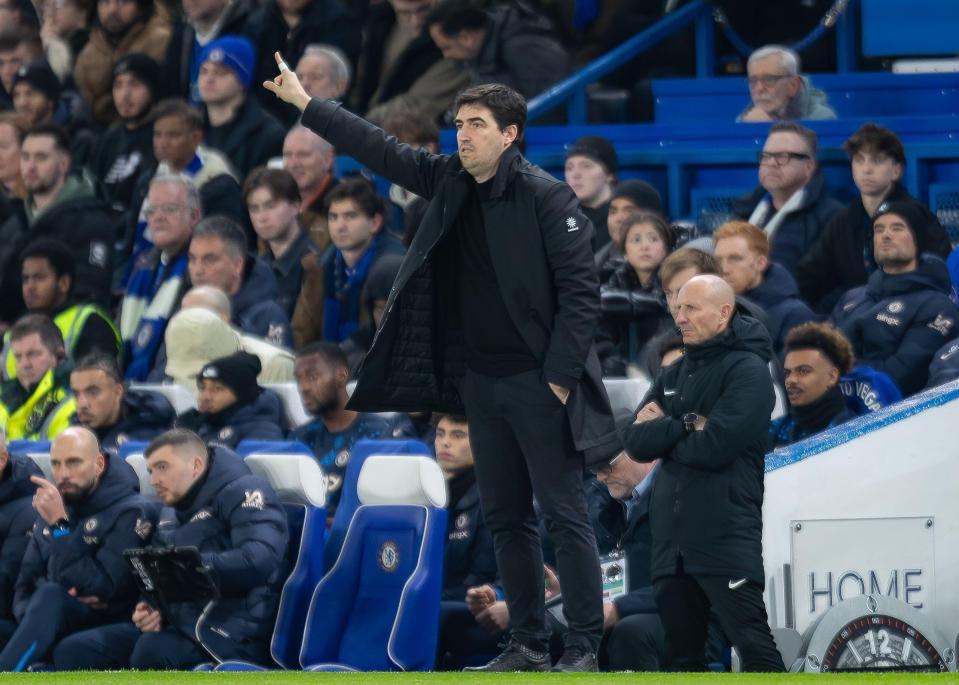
x,y
778,91
791,202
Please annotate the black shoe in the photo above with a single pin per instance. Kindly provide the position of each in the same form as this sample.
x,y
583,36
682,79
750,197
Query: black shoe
x,y
576,660
514,658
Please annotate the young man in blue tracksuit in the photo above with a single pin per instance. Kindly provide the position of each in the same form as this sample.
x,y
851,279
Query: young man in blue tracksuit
x,y
212,502
73,574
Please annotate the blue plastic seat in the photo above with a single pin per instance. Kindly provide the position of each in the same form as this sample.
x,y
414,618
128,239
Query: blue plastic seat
x,y
349,501
378,608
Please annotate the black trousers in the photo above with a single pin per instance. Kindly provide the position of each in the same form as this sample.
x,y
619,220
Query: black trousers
x,y
684,603
122,645
51,614
523,447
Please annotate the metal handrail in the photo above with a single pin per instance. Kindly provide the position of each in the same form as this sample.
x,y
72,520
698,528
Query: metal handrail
x,y
572,91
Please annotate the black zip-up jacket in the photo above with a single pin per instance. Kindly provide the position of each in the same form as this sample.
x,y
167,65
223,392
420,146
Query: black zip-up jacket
x,y
258,420
237,523
897,322
16,520
707,499
90,558
837,262
539,243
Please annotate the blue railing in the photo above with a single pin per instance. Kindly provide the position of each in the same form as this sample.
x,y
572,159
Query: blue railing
x,y
572,90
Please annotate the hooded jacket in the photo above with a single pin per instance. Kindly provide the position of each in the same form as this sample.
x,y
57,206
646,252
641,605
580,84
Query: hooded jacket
x,y
108,521
237,523
539,245
248,140
143,415
16,520
259,420
778,295
707,500
799,229
255,309
838,261
897,322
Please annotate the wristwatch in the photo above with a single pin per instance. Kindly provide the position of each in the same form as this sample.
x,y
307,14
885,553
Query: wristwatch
x,y
60,528
689,421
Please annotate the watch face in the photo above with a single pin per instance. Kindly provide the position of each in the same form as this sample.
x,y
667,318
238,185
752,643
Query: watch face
x,y
881,642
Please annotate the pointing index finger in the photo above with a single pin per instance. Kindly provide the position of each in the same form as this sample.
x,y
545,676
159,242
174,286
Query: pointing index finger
x,y
280,62
41,482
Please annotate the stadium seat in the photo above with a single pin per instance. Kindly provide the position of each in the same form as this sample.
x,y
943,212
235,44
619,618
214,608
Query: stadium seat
x,y
294,414
248,447
38,450
301,487
181,398
378,608
132,452
349,500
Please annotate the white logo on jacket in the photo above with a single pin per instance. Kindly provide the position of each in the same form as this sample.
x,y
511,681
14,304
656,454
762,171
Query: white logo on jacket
x,y
571,224
254,500
941,324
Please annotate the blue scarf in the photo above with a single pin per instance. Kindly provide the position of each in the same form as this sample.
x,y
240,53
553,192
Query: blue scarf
x,y
152,296
344,287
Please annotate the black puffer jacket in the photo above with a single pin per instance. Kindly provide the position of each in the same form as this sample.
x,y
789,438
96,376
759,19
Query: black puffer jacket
x,y
708,496
259,420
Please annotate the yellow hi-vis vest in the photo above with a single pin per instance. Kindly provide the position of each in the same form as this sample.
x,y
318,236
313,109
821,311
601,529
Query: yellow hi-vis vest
x,y
45,413
70,322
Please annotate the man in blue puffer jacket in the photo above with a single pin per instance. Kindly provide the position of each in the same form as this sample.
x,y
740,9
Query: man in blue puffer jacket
x,y
903,314
73,574
212,502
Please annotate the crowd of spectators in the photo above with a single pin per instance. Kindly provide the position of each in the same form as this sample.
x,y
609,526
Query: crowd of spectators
x,y
165,219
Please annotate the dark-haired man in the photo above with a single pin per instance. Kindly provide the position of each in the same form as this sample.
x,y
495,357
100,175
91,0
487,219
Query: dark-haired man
x,y
112,411
321,374
47,271
273,200
817,356
904,313
211,502
126,148
330,305
843,257
62,206
36,405
512,43
74,575
500,276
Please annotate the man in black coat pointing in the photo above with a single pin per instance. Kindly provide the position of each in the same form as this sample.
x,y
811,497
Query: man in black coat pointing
x,y
494,309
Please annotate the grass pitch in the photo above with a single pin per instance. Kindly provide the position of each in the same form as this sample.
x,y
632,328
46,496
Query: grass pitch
x,y
295,678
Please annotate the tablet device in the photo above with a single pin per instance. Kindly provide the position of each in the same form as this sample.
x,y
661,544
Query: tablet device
x,y
172,574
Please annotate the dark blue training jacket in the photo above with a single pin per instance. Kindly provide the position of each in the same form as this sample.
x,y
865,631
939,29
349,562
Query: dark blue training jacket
x,y
237,522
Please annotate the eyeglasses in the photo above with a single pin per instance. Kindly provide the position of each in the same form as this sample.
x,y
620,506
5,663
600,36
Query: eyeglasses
x,y
167,208
768,80
780,158
608,468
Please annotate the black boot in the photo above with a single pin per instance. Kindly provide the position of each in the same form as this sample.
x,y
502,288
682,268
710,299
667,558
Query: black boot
x,y
516,657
